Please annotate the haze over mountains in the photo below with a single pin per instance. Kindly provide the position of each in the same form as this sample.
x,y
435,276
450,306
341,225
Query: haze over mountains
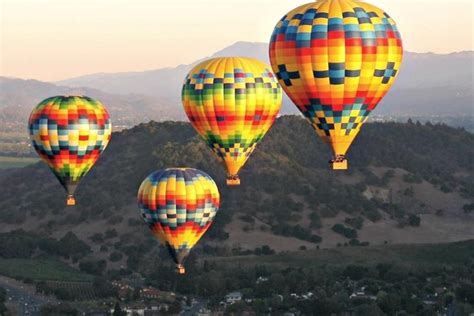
x,y
18,97
434,84
429,85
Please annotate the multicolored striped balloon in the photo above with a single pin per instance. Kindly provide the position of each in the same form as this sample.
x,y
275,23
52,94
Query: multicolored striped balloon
x,y
178,205
232,102
69,133
336,60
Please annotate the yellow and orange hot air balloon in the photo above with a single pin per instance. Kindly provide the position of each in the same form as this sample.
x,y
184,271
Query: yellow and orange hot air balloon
x,y
178,205
232,102
336,59
69,133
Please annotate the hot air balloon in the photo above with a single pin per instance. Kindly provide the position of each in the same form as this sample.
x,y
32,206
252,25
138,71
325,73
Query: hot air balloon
x,y
178,205
69,133
232,102
336,60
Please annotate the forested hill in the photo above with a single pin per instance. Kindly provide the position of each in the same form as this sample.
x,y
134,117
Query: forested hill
x,y
406,183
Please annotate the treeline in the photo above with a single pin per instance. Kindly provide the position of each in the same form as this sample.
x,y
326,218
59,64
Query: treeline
x,y
21,244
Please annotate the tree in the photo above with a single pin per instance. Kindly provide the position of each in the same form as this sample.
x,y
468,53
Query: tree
x,y
465,292
468,208
103,288
71,245
62,294
110,233
355,222
266,250
3,296
93,266
389,303
345,231
115,256
368,309
174,308
118,310
355,272
414,220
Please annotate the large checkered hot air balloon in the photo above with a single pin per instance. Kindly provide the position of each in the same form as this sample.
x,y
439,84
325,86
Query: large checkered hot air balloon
x,y
178,205
69,133
232,102
336,59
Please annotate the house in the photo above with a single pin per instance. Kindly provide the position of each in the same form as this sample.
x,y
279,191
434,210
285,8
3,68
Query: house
x,y
292,312
134,311
150,293
204,312
131,310
440,290
307,296
154,312
261,280
123,289
360,293
121,285
430,299
141,310
233,297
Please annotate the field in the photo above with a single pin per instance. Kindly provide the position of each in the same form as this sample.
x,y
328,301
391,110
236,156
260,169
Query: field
x,y
420,255
41,270
80,291
16,162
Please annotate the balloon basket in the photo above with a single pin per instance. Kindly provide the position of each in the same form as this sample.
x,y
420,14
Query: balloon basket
x,y
233,181
70,201
180,269
339,165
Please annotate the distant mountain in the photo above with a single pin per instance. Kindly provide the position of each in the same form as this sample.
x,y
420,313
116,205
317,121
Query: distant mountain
x,y
18,97
165,82
288,196
428,85
427,70
429,102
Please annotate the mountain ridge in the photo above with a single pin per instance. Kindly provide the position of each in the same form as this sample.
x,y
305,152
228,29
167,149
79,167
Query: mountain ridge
x,y
227,51
126,110
448,77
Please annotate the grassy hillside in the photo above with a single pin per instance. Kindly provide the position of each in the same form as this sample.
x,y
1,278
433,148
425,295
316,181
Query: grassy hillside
x,y
406,183
422,255
16,162
41,269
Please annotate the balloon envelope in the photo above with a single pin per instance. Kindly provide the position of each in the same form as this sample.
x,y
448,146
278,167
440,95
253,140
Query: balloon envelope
x,y
231,102
178,205
336,59
69,133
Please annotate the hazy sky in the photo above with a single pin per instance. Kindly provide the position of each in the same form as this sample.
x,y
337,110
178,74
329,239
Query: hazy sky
x,y
57,39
